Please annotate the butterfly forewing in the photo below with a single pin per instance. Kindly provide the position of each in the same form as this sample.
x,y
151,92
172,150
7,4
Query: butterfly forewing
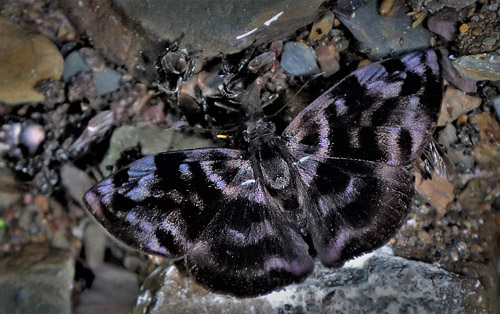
x,y
353,145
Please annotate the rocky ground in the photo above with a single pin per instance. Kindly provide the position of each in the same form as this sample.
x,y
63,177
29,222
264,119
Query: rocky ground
x,y
80,96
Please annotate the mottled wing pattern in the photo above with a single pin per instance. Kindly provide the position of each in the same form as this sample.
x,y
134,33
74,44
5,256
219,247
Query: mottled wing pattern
x,y
204,206
353,145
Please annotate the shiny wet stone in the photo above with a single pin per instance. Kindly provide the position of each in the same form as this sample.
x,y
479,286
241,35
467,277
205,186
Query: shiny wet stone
x,y
133,32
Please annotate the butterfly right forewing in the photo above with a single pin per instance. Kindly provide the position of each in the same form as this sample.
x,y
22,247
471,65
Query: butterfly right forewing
x,y
353,145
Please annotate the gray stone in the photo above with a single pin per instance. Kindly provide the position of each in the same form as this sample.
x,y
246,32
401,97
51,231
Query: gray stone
x,y
113,291
436,5
134,32
36,280
94,239
74,64
375,283
75,181
152,140
299,59
106,81
485,66
383,36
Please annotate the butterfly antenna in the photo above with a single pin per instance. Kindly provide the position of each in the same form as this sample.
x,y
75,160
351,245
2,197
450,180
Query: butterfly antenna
x,y
315,76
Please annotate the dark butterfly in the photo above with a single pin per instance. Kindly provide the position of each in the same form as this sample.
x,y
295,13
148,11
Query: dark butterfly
x,y
334,185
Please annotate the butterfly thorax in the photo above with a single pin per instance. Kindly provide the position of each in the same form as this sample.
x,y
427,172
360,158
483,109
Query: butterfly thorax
x,y
258,129
273,167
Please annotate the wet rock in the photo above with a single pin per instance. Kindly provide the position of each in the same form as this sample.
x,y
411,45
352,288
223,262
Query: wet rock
x,y
21,138
112,291
444,23
299,59
478,192
82,88
454,104
479,67
151,138
31,137
328,58
36,280
377,282
382,36
134,33
25,59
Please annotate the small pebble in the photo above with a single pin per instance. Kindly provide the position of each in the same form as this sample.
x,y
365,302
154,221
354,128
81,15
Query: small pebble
x,y
480,67
299,59
106,81
322,27
386,7
444,23
32,136
328,58
74,64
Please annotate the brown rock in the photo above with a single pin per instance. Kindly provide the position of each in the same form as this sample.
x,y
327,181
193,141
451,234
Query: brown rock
x,y
328,59
322,26
25,59
454,104
438,191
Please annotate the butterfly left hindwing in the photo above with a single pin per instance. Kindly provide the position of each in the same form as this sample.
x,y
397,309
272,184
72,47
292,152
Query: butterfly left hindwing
x,y
205,206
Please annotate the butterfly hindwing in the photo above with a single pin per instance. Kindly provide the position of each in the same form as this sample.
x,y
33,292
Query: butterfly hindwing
x,y
205,206
353,145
